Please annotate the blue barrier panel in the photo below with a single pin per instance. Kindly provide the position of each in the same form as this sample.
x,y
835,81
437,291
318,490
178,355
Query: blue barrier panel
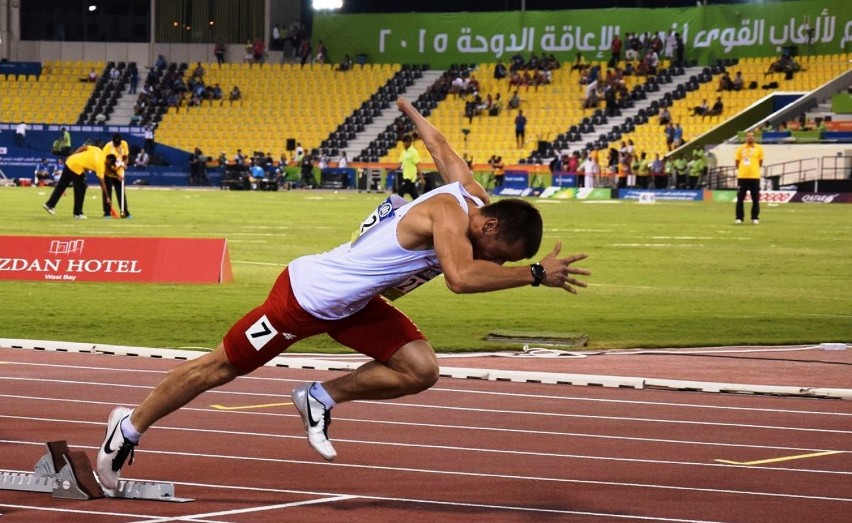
x,y
662,194
562,179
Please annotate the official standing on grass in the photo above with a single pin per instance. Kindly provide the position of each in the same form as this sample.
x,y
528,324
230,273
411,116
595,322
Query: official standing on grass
x,y
114,178
408,167
400,246
749,161
86,158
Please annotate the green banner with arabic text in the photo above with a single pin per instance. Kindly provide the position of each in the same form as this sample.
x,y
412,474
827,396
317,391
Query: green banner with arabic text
x,y
709,33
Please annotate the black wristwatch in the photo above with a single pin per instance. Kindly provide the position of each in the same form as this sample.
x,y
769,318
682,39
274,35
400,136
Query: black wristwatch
x,y
538,274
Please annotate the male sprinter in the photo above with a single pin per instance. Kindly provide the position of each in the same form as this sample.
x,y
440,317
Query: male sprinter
x,y
342,292
86,158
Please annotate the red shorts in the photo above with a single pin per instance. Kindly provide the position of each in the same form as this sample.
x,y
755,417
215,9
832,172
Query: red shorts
x,y
378,330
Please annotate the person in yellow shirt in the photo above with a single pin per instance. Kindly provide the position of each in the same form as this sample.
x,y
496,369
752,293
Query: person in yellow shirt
x,y
408,161
114,178
86,158
749,160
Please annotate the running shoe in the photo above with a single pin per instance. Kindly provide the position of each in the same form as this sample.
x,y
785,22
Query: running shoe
x,y
317,419
738,221
755,221
80,217
49,209
115,449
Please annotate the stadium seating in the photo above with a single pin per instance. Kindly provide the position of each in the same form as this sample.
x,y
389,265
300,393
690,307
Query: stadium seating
x,y
56,96
279,101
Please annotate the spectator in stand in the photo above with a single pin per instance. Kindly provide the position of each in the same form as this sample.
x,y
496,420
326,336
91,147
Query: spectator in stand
x,y
701,110
678,136
343,161
258,50
92,77
579,63
615,49
305,50
590,99
496,163
514,101
665,116
680,50
275,43
725,83
219,52
669,132
738,82
322,53
235,95
520,128
345,64
500,71
198,72
671,43
717,108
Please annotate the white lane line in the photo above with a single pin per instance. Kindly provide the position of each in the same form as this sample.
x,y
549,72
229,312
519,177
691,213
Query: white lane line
x,y
72,511
464,391
418,425
194,517
481,475
471,409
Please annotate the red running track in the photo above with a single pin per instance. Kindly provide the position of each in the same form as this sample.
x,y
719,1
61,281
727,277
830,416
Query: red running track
x,y
466,450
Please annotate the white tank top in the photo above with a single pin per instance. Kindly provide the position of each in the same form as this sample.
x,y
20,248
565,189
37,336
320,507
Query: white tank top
x,y
340,282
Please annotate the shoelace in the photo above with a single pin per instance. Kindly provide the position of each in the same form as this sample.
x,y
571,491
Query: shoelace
x,y
326,418
125,449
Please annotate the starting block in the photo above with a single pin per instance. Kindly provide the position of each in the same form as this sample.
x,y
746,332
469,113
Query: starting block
x,y
69,475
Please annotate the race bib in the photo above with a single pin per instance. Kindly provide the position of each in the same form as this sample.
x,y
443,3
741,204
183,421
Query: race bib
x,y
384,211
411,283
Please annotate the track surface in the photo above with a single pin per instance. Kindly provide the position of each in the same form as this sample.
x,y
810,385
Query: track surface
x,y
466,450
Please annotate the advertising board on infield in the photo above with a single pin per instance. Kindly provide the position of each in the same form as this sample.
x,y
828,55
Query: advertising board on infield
x,y
151,260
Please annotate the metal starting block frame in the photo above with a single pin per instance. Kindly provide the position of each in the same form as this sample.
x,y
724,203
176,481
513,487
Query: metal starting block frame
x,y
69,475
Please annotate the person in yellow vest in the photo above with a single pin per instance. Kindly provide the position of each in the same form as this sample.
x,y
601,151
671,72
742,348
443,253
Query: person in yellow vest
x,y
86,158
749,160
408,161
114,177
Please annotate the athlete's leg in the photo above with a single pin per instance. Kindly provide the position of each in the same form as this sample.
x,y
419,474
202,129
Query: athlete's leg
x,y
181,385
411,369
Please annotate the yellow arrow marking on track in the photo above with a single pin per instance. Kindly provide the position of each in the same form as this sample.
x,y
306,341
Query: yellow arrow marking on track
x,y
246,407
776,460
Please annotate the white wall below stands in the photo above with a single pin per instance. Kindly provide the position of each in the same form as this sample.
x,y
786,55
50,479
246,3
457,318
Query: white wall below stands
x,y
780,153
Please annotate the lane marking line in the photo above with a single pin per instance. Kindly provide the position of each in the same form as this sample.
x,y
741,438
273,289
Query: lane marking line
x,y
194,517
246,407
778,460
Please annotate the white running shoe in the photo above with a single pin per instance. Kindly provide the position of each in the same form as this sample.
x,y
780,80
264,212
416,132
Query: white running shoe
x,y
738,221
114,450
80,217
755,221
317,418
49,209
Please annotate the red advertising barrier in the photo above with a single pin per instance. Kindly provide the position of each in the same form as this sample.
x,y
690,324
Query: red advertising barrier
x,y
153,260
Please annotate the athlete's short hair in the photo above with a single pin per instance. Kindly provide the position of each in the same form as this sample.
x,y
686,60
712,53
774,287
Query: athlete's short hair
x,y
518,221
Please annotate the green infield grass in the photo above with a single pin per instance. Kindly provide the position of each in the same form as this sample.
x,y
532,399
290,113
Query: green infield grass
x,y
663,275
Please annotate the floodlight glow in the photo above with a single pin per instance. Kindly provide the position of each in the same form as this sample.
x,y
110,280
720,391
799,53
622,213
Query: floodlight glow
x,y
327,4
92,7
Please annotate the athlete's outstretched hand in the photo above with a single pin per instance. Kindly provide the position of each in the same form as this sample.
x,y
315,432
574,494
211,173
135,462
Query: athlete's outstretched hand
x,y
558,270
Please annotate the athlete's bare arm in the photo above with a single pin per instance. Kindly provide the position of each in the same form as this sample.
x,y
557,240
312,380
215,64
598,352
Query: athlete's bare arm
x,y
450,165
441,222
